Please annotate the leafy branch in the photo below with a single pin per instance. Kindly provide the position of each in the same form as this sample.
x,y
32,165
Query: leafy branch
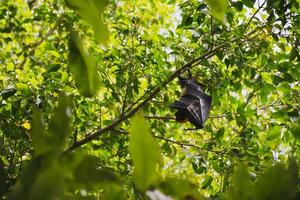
x,y
156,91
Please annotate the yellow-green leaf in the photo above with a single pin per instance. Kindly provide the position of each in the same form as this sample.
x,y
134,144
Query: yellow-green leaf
x,y
218,8
145,153
91,11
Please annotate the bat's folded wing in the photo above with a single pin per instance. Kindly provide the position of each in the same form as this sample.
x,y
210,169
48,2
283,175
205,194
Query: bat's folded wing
x,y
191,108
183,103
205,105
194,114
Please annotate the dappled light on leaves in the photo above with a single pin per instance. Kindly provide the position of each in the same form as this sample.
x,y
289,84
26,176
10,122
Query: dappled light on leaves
x,y
84,112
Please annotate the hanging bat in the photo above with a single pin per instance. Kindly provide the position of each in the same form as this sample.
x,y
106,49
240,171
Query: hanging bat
x,y
193,105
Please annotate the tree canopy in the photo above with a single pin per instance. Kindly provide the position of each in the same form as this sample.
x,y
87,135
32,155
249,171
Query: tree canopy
x,y
85,88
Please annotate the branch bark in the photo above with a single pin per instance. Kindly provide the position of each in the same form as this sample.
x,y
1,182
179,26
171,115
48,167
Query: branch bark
x,y
154,92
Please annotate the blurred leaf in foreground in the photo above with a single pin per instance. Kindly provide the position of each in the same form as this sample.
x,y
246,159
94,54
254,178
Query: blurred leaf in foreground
x,y
144,151
218,8
91,11
83,67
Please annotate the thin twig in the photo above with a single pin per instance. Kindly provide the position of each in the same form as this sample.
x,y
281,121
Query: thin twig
x,y
211,32
252,17
160,117
183,143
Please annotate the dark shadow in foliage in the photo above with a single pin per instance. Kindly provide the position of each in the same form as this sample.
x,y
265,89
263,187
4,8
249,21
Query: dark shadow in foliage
x,y
50,175
180,189
277,183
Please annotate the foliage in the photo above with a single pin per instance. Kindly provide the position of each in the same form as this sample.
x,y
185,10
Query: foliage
x,y
85,88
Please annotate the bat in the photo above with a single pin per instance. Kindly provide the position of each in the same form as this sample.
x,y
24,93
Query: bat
x,y
193,105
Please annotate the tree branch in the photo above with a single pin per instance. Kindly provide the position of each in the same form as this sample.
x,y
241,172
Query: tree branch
x,y
165,118
182,143
154,92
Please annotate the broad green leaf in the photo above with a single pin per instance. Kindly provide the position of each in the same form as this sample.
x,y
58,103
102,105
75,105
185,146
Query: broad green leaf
x,y
206,182
21,190
53,140
144,152
274,133
186,20
238,5
216,166
113,191
39,141
220,132
242,186
265,91
276,184
180,189
249,3
83,67
218,8
59,127
50,181
88,175
92,12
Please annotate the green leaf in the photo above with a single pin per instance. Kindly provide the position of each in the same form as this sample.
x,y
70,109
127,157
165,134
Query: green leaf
x,y
6,93
274,133
83,67
145,153
22,188
59,127
249,3
180,188
294,54
216,166
187,20
220,132
276,184
238,5
88,175
39,142
218,8
265,91
242,186
113,191
201,6
91,11
207,181
51,182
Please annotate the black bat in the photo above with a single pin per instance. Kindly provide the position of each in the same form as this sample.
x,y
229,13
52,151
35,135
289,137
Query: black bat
x,y
193,105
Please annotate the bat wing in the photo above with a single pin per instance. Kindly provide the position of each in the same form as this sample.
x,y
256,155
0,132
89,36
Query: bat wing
x,y
193,105
195,109
194,114
205,105
183,103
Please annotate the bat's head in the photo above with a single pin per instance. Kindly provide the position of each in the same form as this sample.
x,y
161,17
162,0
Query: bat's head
x,y
183,81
